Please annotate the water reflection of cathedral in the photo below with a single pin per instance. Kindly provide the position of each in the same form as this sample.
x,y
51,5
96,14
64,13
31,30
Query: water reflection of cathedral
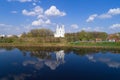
x,y
60,56
45,58
53,64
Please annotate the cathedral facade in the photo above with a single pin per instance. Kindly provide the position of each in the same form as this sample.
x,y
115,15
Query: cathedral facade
x,y
60,31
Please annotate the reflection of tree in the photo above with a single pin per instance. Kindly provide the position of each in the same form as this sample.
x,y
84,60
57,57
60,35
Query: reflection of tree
x,y
53,58
24,53
78,51
6,49
84,51
81,50
41,54
89,52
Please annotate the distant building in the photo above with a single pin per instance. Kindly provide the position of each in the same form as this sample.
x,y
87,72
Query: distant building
x,y
9,36
98,40
113,38
60,31
2,36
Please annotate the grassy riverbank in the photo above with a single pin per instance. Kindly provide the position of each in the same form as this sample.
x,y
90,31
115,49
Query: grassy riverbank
x,y
75,44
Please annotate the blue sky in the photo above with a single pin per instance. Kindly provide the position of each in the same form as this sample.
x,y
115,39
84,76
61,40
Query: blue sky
x,y
18,16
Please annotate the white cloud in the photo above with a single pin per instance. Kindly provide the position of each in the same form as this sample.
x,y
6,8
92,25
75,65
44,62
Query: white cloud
x,y
109,14
74,26
48,21
91,18
104,16
12,29
38,22
25,0
87,29
99,29
36,11
27,13
113,64
34,4
92,29
14,12
115,26
114,11
53,11
42,18
52,64
21,0
41,22
9,29
91,58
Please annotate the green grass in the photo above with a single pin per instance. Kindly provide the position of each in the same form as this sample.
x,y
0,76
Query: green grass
x,y
72,44
104,44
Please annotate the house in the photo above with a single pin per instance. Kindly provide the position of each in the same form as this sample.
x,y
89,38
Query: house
x,y
98,39
113,38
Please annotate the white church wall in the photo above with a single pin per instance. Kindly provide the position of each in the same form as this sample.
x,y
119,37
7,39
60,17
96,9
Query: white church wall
x,y
60,31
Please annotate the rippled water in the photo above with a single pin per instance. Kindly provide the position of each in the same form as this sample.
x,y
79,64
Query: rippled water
x,y
59,64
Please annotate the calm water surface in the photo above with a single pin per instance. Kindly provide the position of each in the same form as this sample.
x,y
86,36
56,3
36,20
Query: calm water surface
x,y
21,64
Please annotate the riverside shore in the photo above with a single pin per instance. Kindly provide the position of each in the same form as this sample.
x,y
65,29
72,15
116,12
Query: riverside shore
x,y
59,45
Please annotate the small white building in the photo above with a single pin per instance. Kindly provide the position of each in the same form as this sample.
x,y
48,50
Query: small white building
x,y
9,36
111,40
60,31
1,35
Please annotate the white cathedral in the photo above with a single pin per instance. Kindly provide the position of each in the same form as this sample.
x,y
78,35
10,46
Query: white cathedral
x,y
60,31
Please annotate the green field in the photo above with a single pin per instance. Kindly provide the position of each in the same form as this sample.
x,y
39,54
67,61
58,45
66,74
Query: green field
x,y
71,44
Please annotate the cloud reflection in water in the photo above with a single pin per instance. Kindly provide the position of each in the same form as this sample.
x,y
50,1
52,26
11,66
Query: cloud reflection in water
x,y
110,61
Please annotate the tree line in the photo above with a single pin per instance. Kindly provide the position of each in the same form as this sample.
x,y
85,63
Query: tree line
x,y
47,36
